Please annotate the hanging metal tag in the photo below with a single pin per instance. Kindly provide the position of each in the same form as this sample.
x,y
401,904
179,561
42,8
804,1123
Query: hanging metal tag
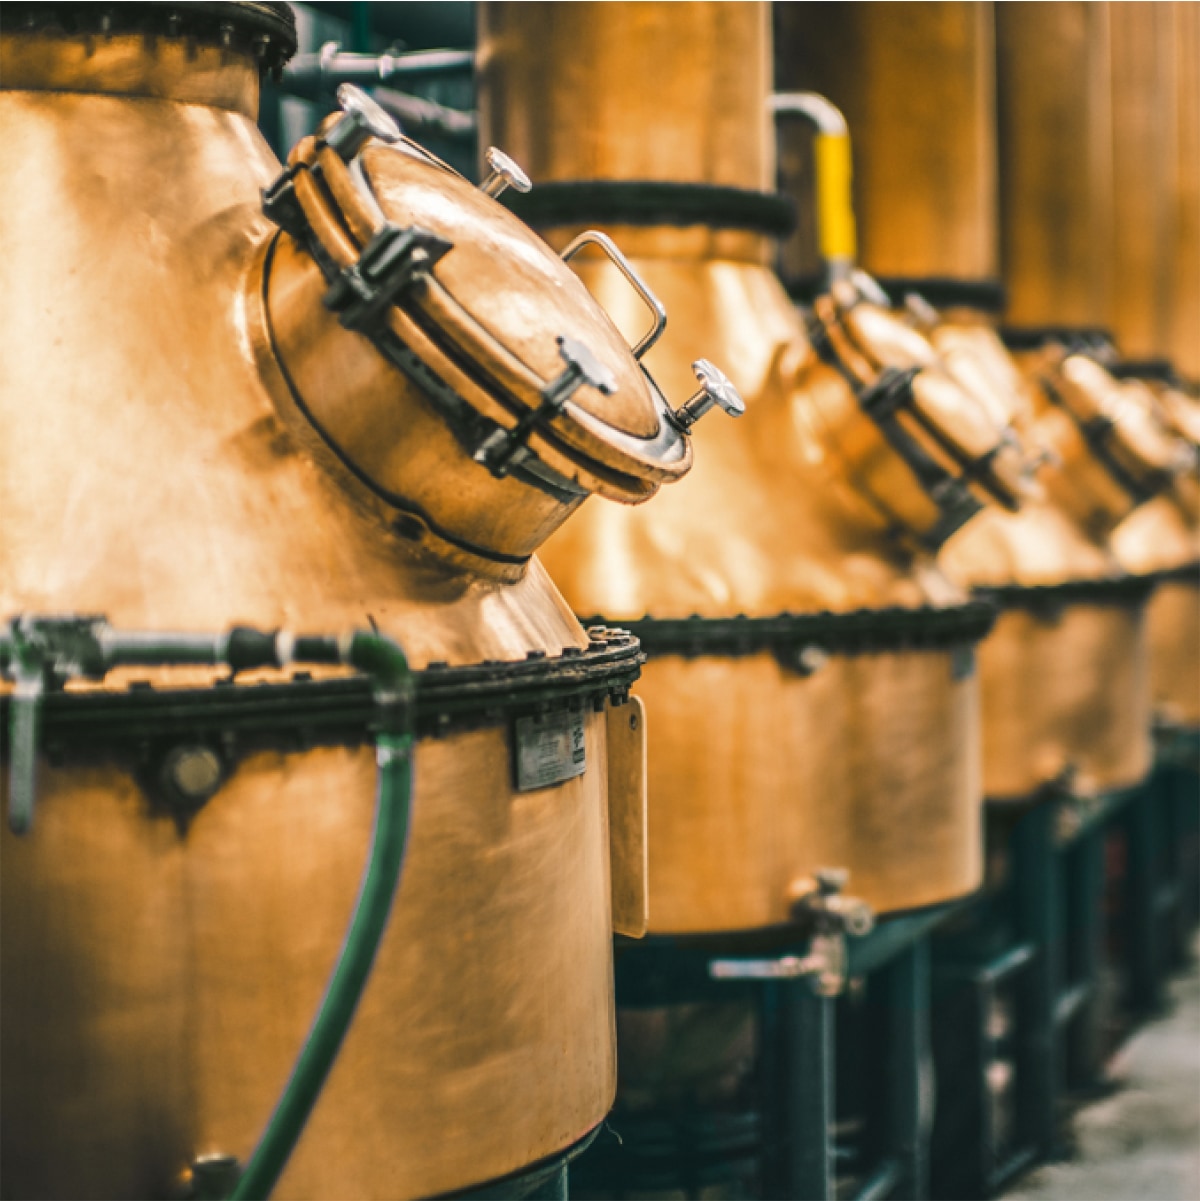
x,y
627,818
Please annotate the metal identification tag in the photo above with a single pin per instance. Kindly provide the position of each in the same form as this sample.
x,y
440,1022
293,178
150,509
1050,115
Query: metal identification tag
x,y
550,750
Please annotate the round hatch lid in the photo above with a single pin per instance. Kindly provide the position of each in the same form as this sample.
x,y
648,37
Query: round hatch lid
x,y
416,253
870,340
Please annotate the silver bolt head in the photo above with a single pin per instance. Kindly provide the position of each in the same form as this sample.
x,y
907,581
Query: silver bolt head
x,y
507,169
195,772
719,388
811,659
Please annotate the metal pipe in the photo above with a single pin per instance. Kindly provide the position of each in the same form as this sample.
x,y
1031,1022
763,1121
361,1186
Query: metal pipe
x,y
315,76
835,198
415,112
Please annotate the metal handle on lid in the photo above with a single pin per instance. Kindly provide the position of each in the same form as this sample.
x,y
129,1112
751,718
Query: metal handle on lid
x,y
595,238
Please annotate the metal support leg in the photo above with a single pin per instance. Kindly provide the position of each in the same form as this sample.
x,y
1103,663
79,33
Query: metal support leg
x,y
907,1069
800,1163
1142,952
1085,939
1173,790
1037,905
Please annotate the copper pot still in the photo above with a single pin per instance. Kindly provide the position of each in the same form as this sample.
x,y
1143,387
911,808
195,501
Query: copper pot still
x,y
767,761
207,423
1065,689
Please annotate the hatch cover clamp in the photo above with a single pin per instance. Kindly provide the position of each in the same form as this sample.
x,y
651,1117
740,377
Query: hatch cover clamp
x,y
498,450
393,260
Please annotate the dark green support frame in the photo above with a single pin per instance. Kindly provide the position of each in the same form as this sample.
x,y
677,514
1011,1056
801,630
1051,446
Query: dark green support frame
x,y
796,1083
1041,933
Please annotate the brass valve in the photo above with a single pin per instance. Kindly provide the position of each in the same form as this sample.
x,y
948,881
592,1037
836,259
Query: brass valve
x,y
831,916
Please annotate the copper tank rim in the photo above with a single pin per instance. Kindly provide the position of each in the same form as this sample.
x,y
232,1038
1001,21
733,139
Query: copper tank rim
x,y
779,935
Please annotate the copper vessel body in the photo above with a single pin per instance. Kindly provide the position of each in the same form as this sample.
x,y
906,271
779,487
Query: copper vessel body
x,y
1183,309
1065,687
157,985
1054,92
1145,166
756,775
561,88
1163,536
916,83
1066,699
1099,143
759,777
1173,618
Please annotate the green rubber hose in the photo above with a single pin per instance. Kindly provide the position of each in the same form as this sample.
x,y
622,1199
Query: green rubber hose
x,y
394,757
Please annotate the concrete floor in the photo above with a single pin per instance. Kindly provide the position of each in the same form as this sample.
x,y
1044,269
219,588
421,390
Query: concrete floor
x,y
1141,1143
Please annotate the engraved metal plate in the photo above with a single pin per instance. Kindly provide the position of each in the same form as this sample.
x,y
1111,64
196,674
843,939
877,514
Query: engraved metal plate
x,y
549,750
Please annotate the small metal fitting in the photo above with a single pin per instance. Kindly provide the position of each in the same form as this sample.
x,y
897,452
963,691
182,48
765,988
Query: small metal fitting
x,y
192,774
582,368
363,120
822,900
505,174
715,389
824,966
213,1177
810,659
501,447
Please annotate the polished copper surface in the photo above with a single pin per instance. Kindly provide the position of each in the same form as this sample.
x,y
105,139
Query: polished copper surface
x,y
1099,110
629,91
1056,162
916,83
799,507
760,776
158,982
1173,619
119,66
1145,163
157,988
1183,309
1066,698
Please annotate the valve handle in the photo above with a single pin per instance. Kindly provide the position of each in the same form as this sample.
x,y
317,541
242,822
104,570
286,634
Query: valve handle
x,y
505,174
363,120
715,389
